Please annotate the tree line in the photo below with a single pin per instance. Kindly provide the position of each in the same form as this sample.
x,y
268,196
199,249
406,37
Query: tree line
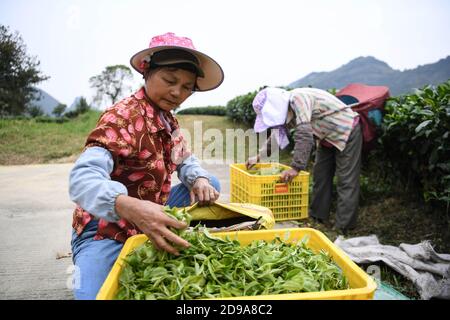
x,y
20,73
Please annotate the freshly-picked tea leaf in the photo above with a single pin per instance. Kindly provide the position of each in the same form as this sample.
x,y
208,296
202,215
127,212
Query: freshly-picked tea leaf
x,y
213,267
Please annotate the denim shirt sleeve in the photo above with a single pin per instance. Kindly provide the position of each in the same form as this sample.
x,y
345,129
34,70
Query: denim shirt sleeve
x,y
189,170
90,184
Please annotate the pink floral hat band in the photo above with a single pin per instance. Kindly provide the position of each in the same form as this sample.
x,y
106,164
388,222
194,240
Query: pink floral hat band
x,y
210,74
171,57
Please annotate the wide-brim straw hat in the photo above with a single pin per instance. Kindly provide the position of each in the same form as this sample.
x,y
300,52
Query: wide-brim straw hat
x,y
210,74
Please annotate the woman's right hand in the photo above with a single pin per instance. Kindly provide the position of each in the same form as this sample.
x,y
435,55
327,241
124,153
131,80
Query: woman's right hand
x,y
150,218
250,163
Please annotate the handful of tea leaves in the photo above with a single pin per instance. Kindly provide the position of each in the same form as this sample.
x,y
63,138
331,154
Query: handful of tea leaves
x,y
213,267
180,215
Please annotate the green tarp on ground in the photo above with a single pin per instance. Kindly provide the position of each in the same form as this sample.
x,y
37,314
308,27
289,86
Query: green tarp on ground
x,y
386,292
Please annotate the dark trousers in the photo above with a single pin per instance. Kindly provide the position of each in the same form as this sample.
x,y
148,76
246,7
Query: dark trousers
x,y
346,164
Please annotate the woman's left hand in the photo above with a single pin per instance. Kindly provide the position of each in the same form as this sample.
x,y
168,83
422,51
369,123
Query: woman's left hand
x,y
288,175
204,191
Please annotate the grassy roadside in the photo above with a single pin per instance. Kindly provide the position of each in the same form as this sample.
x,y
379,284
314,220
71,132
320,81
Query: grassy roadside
x,y
31,142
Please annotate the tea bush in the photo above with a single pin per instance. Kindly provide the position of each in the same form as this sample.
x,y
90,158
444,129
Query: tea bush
x,y
240,109
415,145
209,110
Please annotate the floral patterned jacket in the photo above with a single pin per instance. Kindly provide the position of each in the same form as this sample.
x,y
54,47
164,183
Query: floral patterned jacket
x,y
145,154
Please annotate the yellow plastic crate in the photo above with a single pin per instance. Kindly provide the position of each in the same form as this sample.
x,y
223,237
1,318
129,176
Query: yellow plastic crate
x,y
288,201
362,286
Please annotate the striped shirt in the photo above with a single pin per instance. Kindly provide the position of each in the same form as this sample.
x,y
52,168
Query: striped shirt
x,y
331,120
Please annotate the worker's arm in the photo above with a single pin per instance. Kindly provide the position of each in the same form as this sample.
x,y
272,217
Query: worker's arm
x,y
304,141
266,149
263,154
90,184
190,170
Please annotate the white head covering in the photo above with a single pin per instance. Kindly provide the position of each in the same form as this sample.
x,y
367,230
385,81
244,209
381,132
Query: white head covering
x,y
271,107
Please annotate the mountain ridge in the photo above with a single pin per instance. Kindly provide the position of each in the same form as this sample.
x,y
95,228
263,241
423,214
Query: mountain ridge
x,y
44,101
371,71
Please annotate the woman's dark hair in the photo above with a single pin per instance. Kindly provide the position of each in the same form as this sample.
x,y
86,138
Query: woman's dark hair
x,y
183,66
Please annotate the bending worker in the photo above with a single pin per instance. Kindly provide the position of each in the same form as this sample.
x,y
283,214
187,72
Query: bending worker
x,y
315,113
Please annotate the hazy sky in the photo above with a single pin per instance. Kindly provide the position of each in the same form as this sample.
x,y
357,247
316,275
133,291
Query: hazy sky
x,y
256,42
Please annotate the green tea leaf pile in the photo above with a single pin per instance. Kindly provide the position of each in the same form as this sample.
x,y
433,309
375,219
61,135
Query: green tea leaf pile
x,y
214,268
270,171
